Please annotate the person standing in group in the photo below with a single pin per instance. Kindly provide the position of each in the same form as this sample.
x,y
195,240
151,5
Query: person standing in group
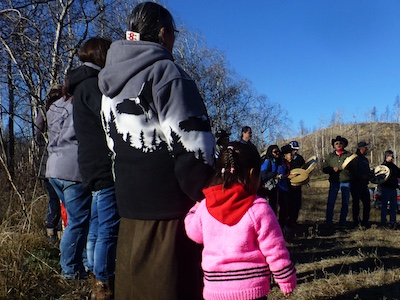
x,y
338,179
295,193
63,172
163,150
389,191
360,175
246,136
94,159
243,243
269,176
53,217
222,140
283,187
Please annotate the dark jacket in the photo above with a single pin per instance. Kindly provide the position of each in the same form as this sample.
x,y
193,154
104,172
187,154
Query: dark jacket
x,y
391,182
158,129
360,171
297,162
94,157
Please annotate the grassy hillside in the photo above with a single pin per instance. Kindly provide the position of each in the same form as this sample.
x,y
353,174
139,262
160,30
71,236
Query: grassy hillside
x,y
380,136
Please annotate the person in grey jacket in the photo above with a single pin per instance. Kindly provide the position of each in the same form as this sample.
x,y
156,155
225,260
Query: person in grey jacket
x,y
63,172
53,217
163,152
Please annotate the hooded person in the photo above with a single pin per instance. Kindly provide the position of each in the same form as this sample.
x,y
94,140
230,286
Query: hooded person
x,y
338,179
163,153
95,166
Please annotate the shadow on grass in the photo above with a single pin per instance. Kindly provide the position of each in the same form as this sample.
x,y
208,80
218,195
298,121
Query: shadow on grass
x,y
387,292
315,242
369,264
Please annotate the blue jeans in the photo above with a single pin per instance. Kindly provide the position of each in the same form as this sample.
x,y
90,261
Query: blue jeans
x,y
388,195
333,192
103,233
76,199
53,209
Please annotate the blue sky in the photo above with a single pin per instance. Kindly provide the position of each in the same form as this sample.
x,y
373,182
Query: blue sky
x,y
314,57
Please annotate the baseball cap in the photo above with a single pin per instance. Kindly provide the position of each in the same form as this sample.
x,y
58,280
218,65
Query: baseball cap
x,y
294,145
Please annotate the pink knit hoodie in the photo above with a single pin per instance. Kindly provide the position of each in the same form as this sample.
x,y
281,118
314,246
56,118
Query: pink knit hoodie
x,y
238,259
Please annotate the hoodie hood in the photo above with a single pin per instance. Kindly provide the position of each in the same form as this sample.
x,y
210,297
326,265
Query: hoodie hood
x,y
125,59
76,76
228,205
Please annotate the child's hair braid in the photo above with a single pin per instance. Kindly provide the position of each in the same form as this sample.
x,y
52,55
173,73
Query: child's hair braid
x,y
235,163
229,161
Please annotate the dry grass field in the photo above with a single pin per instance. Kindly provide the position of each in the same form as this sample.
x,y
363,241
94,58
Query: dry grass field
x,y
330,263
351,263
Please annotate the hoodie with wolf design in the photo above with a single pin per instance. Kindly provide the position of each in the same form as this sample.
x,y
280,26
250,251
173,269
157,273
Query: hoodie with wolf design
x,y
158,130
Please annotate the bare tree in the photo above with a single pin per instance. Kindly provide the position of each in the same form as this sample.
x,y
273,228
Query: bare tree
x,y
396,112
303,128
385,116
40,40
229,98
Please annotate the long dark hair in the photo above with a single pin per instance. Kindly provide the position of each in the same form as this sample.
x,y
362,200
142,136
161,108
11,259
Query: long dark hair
x,y
94,50
270,149
234,165
148,18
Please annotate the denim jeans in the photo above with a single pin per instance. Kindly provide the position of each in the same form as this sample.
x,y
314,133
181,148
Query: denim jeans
x,y
388,195
103,233
333,192
53,209
76,199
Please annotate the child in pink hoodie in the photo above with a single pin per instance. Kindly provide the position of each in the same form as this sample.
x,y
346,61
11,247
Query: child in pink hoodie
x,y
243,242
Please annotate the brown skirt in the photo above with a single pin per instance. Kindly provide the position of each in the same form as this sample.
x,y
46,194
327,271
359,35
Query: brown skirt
x,y
157,261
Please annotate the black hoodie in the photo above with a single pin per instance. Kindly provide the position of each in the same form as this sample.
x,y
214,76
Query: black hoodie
x,y
94,157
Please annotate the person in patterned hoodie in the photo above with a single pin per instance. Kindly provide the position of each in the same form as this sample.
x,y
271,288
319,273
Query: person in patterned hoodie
x,y
243,242
163,152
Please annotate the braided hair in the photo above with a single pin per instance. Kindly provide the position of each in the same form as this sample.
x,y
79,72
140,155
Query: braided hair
x,y
234,165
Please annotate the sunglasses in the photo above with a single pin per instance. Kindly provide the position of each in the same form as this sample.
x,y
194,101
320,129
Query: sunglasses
x,y
276,151
338,143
